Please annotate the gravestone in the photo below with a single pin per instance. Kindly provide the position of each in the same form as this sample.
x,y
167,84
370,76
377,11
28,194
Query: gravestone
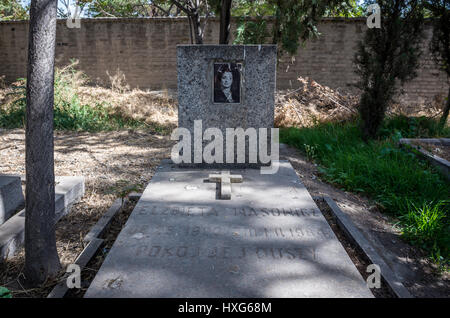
x,y
218,231
11,196
204,74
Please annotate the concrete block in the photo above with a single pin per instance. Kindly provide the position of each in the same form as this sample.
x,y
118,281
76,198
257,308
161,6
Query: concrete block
x,y
11,197
12,233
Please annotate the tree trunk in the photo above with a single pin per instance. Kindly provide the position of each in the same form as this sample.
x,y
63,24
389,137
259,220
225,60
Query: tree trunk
x,y
225,17
41,257
444,117
196,25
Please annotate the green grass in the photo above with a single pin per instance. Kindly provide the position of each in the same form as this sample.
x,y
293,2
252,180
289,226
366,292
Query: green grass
x,y
69,112
427,226
72,116
395,179
5,293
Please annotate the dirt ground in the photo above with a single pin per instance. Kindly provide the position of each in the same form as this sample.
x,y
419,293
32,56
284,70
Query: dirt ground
x,y
114,163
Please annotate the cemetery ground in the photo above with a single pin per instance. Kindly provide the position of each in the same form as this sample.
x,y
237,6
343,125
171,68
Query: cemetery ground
x,y
117,137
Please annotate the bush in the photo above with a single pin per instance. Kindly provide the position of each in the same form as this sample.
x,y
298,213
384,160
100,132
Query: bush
x,y
386,56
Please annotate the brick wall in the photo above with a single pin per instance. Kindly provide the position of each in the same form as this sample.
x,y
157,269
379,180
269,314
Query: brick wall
x,y
145,51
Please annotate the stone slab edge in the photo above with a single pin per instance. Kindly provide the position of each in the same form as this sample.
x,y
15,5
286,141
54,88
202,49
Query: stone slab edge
x,y
437,161
99,228
94,243
68,190
364,245
135,196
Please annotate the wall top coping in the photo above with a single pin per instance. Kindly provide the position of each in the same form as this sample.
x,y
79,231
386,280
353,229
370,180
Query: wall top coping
x,y
174,19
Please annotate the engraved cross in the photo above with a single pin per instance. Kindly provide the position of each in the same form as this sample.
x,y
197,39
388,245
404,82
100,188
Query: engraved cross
x,y
225,179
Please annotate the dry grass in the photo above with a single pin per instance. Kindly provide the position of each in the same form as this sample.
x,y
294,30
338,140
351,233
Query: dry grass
x,y
149,106
312,103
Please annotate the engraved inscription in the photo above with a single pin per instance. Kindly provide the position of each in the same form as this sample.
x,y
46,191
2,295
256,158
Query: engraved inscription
x,y
263,232
227,252
206,211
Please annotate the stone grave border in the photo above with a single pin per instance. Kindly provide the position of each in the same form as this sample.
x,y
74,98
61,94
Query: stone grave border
x,y
364,246
94,242
442,164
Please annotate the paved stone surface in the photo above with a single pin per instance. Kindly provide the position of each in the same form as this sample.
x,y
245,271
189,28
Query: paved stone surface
x,y
269,240
11,196
195,67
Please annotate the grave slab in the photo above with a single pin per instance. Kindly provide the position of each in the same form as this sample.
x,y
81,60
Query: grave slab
x,y
11,196
269,240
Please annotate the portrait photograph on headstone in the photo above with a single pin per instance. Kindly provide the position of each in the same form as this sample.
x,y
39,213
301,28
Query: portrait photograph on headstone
x,y
227,83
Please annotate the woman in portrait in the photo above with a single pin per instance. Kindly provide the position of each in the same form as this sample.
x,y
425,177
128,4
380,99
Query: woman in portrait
x,y
227,83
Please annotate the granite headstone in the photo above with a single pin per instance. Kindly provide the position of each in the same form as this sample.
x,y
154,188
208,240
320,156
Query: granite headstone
x,y
227,87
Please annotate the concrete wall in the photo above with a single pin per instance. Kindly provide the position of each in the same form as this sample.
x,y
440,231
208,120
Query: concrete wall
x,y
145,51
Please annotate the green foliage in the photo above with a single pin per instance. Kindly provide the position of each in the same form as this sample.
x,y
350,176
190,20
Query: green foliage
x,y
385,56
428,226
251,31
295,20
440,42
69,112
13,10
128,8
115,8
413,127
393,178
348,9
5,292
253,8
252,26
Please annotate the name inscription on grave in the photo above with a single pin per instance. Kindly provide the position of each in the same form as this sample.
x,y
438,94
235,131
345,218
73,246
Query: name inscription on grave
x,y
206,211
228,252
291,233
